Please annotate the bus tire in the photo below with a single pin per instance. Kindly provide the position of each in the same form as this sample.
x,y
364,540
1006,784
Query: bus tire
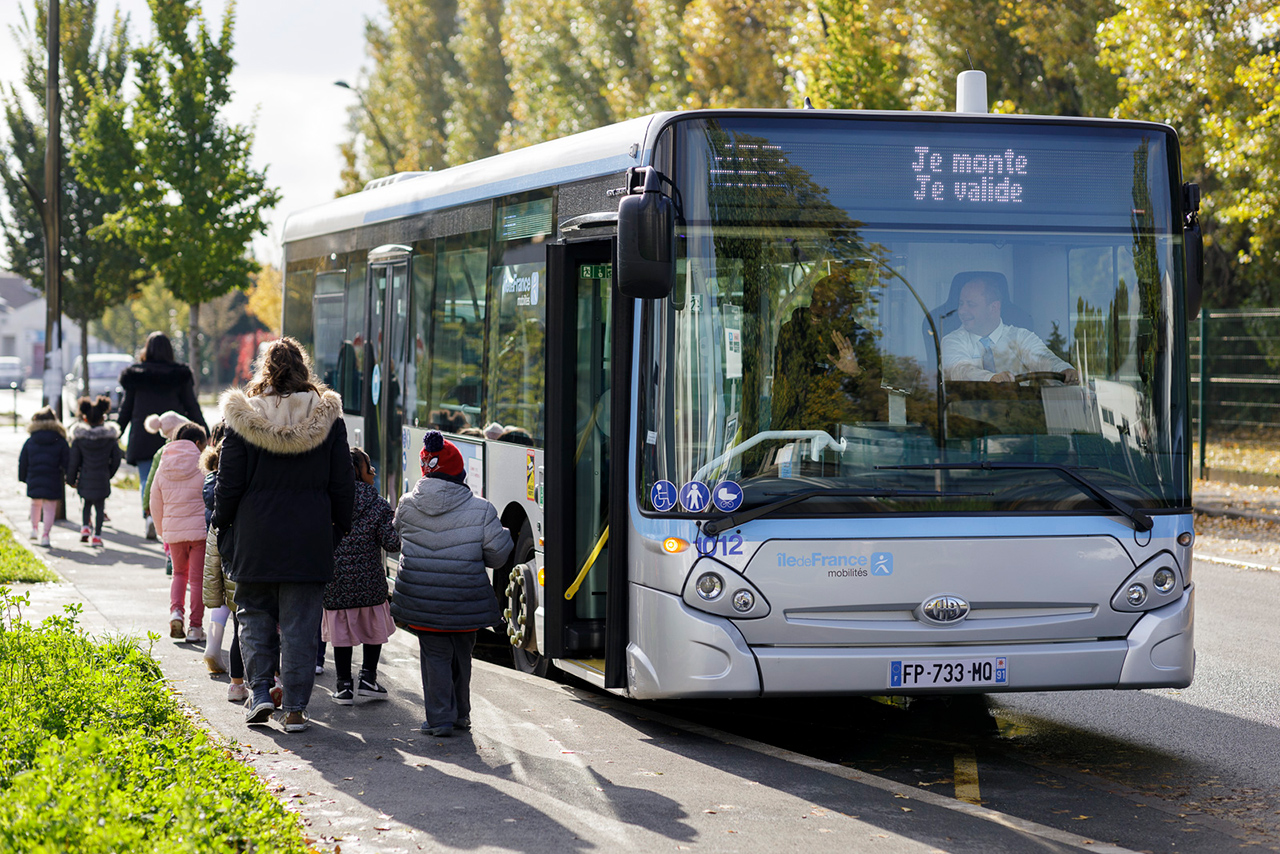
x,y
519,604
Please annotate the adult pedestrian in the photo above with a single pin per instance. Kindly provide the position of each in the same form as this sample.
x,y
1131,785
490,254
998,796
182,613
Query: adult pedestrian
x,y
283,499
153,385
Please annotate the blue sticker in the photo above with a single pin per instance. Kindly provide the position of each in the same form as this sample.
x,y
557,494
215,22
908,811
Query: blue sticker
x,y
695,496
895,674
376,385
663,496
882,563
728,496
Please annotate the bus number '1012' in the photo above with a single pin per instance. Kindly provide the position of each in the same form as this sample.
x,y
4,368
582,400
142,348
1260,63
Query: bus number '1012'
x,y
730,545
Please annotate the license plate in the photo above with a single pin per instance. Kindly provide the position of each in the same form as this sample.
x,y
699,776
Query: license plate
x,y
950,673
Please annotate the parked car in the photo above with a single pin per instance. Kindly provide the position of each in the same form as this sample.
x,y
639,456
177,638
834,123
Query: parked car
x,y
11,371
104,378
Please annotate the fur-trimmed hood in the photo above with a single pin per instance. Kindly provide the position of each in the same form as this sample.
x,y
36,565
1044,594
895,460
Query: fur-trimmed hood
x,y
106,430
209,460
288,425
40,424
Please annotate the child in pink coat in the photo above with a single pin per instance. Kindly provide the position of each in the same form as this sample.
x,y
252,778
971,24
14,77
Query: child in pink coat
x,y
177,505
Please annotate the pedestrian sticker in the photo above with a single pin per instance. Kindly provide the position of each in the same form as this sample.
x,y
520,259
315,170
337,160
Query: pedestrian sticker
x,y
728,496
663,496
529,482
695,496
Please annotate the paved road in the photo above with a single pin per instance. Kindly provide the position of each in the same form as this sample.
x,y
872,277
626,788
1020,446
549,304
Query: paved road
x,y
1156,770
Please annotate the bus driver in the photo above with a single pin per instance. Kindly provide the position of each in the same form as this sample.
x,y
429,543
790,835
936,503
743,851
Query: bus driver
x,y
985,348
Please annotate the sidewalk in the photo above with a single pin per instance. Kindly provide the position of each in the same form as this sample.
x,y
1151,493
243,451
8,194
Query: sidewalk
x,y
547,768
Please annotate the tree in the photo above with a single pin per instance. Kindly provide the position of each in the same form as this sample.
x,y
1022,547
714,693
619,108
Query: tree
x,y
191,201
479,94
153,307
846,61
99,269
266,298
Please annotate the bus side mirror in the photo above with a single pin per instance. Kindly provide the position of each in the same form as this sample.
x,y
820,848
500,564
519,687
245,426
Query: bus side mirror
x,y
1193,249
646,239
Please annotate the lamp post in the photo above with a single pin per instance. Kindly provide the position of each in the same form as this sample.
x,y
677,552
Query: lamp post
x,y
392,156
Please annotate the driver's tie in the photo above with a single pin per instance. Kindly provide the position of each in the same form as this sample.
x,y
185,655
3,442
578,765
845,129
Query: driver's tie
x,y
988,357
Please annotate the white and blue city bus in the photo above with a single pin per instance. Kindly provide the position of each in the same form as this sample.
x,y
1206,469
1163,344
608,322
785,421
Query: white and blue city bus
x,y
704,365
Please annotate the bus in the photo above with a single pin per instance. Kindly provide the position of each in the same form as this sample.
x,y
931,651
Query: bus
x,y
711,369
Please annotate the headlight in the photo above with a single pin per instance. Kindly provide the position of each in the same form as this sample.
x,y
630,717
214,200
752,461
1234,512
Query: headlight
x,y
1136,595
1164,579
743,601
710,586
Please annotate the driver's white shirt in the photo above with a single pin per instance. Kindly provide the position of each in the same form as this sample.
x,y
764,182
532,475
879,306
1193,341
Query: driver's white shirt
x,y
1016,350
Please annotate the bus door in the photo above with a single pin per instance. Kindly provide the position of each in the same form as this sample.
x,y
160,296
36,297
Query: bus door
x,y
582,600
386,356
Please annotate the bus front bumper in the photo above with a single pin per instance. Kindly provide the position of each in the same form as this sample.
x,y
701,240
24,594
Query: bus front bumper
x,y
678,652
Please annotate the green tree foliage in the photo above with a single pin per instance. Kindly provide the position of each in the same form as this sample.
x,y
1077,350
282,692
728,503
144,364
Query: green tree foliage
x,y
99,269
191,201
479,95
1208,68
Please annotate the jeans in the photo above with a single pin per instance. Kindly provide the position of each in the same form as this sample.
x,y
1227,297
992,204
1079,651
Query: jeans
x,y
144,469
446,675
188,573
296,608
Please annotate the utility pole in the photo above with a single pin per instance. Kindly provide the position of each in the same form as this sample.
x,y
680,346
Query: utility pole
x,y
51,214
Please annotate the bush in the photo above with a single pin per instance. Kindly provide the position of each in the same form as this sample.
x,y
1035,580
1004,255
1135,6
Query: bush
x,y
96,755
18,564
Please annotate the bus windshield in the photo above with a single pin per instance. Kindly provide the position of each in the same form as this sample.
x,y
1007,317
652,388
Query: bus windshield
x,y
866,305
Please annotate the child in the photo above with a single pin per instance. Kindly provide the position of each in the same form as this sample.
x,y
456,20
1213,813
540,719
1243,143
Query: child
x,y
41,466
219,591
214,658
166,424
94,459
442,592
355,601
177,505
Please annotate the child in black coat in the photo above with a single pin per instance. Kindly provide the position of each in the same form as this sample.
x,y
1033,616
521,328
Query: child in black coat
x,y
41,466
95,458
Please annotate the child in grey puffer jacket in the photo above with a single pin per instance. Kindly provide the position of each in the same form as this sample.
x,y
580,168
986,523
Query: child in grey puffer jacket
x,y
443,594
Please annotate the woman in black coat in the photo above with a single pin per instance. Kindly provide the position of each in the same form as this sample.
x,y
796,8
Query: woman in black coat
x,y
156,384
283,499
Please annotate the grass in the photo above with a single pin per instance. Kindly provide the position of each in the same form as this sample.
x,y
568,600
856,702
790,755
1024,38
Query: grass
x,y
18,564
97,756
127,481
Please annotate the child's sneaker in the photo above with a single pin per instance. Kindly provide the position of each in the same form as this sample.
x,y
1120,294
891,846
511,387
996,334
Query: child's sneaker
x,y
151,528
277,693
175,625
296,722
344,693
95,541
371,689
237,693
195,634
44,541
85,532
35,533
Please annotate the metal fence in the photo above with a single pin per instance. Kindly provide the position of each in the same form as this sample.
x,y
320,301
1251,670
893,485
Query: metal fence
x,y
1235,374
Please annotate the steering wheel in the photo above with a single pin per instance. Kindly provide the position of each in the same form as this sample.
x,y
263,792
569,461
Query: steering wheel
x,y
1041,377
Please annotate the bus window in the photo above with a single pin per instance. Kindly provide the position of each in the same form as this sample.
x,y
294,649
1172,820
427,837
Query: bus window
x,y
328,312
416,371
299,290
517,343
457,333
350,369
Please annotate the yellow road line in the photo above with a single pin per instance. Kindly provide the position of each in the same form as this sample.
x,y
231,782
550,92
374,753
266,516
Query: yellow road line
x,y
966,777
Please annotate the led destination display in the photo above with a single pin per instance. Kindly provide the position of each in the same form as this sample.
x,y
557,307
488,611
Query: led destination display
x,y
928,172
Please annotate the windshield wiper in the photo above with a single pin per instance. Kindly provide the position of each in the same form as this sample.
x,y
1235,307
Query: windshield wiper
x,y
715,526
1141,521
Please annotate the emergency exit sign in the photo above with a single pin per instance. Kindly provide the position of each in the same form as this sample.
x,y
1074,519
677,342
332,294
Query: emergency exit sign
x,y
596,271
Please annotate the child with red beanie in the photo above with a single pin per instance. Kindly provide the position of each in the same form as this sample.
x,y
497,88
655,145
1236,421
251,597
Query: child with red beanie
x,y
443,594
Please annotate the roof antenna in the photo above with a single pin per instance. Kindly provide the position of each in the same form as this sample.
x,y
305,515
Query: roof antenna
x,y
972,67
808,105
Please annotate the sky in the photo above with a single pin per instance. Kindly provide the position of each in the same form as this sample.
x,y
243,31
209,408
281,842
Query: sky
x,y
288,54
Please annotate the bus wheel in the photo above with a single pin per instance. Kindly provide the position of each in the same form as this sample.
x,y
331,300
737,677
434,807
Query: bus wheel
x,y
522,593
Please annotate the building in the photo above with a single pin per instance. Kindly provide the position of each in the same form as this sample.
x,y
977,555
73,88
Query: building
x,y
22,319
